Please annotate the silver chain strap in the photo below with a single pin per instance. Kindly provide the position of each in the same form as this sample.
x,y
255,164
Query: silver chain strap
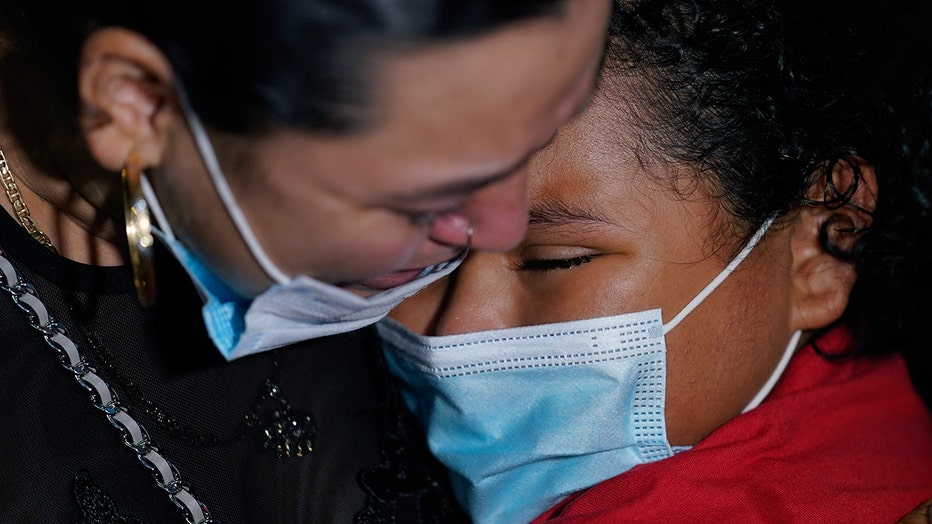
x,y
102,395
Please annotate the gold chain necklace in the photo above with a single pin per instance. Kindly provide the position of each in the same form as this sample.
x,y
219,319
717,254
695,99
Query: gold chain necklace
x,y
19,205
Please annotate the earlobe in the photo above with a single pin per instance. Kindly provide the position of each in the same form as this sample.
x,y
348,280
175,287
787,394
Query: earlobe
x,y
824,241
125,86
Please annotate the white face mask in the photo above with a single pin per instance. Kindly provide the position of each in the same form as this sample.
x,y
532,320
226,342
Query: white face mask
x,y
291,310
525,416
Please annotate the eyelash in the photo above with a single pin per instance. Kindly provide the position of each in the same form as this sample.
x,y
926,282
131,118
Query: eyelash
x,y
421,218
426,218
547,264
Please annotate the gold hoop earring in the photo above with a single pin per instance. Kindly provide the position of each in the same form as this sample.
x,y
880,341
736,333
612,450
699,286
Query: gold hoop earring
x,y
138,231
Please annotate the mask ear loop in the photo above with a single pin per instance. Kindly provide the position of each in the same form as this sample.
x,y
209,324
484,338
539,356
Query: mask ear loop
x,y
209,157
777,373
710,287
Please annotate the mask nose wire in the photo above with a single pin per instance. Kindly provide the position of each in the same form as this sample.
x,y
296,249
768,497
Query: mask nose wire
x,y
226,194
710,287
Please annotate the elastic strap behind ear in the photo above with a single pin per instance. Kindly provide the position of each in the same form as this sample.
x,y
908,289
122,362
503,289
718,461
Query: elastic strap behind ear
x,y
777,373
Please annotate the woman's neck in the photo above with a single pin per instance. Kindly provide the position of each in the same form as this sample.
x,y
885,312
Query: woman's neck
x,y
70,201
68,196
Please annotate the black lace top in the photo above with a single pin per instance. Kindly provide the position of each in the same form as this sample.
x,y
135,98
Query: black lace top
x,y
310,433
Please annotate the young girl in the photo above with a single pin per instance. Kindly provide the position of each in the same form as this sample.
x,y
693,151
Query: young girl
x,y
708,318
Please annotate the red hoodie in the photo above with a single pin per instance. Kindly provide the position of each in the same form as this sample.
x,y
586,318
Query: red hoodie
x,y
835,441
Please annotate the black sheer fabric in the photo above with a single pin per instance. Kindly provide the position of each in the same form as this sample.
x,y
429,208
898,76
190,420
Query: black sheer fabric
x,y
314,432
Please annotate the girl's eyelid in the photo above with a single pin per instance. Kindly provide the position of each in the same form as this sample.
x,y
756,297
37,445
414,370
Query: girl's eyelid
x,y
554,264
550,257
554,251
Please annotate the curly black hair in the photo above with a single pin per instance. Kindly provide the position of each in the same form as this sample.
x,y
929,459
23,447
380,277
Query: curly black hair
x,y
761,96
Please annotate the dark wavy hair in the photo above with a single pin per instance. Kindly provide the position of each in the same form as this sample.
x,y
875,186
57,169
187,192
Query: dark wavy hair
x,y
761,95
248,66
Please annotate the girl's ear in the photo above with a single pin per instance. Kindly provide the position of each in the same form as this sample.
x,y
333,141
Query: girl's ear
x,y
842,199
126,91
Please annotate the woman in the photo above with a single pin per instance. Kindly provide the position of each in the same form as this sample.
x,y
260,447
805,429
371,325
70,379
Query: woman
x,y
285,153
707,319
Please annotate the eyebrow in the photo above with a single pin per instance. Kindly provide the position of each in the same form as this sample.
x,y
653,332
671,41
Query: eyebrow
x,y
557,213
470,185
463,187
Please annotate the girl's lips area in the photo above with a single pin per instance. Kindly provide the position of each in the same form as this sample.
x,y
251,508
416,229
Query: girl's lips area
x,y
391,280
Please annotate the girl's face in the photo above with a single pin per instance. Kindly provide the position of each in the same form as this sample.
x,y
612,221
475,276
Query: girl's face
x,y
608,235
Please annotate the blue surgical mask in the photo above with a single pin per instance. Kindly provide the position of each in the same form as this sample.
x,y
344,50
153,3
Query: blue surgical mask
x,y
291,310
523,417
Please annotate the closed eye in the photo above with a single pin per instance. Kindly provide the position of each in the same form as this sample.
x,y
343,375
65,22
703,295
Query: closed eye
x,y
420,218
545,264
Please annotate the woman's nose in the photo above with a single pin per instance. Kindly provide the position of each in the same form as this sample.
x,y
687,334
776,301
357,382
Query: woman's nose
x,y
496,216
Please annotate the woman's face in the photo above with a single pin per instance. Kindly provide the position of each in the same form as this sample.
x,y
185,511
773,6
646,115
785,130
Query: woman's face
x,y
607,235
455,127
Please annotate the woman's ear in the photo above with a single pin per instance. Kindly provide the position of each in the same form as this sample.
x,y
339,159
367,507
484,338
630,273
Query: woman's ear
x,y
842,199
124,82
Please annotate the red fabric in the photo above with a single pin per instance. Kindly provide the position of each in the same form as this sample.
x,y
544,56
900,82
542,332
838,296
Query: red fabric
x,y
834,442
